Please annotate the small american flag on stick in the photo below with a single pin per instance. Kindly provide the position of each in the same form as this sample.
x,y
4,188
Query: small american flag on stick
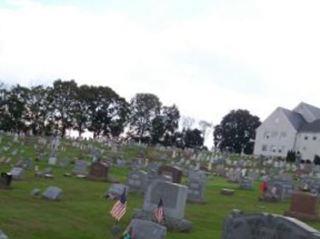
x,y
120,207
159,212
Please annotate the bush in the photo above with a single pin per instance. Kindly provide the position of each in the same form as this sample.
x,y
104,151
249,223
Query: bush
x,y
291,156
316,160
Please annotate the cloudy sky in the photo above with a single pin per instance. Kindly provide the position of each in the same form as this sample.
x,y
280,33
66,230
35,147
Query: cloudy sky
x,y
206,56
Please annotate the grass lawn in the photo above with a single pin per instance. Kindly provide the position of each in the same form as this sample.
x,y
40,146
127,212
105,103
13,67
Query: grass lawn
x,y
83,213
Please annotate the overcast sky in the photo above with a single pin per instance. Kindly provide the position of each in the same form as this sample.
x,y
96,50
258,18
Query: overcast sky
x,y
206,56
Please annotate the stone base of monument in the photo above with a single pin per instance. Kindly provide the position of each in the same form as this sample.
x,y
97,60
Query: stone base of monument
x,y
302,216
172,224
94,178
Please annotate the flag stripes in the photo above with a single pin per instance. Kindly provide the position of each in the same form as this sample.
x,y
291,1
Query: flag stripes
x,y
120,207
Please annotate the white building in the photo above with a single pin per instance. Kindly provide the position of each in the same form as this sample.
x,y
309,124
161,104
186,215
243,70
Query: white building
x,y
284,130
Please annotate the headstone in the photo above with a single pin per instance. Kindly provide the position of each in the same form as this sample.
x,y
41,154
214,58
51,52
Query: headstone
x,y
304,206
246,183
53,193
154,166
5,180
142,229
52,160
95,154
197,175
137,181
17,173
266,226
3,236
115,191
174,172
174,198
280,189
98,171
80,168
121,163
196,190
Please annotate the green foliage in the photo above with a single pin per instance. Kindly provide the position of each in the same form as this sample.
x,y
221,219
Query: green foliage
x,y
65,106
165,125
193,138
144,108
316,160
236,132
291,156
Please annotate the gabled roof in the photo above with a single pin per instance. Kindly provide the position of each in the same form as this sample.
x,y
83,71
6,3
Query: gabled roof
x,y
313,110
296,119
311,127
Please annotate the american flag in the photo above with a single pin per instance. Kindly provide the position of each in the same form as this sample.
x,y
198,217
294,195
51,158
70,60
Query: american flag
x,y
120,207
159,212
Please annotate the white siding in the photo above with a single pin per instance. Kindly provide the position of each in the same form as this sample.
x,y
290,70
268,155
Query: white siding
x,y
308,144
275,136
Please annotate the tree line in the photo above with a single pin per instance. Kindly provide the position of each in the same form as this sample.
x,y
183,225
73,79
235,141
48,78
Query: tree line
x,y
51,110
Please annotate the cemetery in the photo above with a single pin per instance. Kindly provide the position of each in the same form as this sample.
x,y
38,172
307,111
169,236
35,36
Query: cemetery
x,y
204,194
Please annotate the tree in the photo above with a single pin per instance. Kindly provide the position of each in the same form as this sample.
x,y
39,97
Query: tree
x,y
62,99
236,132
15,109
38,109
165,125
291,156
316,160
108,112
144,109
193,138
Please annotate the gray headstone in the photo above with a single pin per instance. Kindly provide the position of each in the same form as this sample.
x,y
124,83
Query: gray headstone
x,y
246,183
284,188
196,191
116,190
266,226
52,160
137,181
17,173
80,167
3,236
53,193
174,198
142,229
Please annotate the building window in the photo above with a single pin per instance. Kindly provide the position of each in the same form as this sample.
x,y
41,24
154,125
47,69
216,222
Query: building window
x,y
264,147
266,135
274,134
314,137
305,137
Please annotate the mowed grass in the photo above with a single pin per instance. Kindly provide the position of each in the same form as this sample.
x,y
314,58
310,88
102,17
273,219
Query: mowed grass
x,y
83,212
